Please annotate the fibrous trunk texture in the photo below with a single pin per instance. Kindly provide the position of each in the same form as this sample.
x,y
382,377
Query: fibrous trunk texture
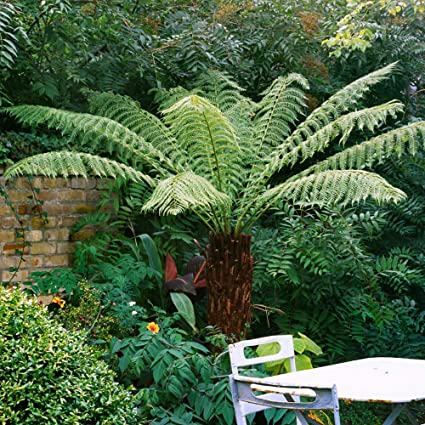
x,y
229,277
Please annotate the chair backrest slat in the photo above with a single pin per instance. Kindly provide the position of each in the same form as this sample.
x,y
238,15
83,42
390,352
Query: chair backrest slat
x,y
238,358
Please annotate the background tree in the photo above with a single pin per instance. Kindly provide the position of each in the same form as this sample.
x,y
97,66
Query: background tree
x,y
229,160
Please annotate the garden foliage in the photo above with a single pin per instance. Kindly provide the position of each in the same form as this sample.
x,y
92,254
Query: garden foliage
x,y
49,375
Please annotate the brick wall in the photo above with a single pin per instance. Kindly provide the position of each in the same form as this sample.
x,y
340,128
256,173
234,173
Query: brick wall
x,y
46,244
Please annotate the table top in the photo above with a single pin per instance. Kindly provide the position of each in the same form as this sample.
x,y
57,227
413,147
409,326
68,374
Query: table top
x,y
380,379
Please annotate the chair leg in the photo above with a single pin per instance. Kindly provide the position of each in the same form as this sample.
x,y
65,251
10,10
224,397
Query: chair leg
x,y
394,414
239,416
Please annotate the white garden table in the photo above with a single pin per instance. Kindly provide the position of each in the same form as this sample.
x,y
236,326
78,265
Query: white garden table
x,y
381,379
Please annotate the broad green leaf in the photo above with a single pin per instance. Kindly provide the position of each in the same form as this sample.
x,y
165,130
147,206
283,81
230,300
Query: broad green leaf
x,y
310,345
302,362
185,307
152,253
299,345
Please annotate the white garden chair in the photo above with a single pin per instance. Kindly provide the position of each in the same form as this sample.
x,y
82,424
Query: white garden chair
x,y
252,394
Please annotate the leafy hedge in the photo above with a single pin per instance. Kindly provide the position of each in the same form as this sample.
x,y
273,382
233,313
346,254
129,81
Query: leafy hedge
x,y
49,375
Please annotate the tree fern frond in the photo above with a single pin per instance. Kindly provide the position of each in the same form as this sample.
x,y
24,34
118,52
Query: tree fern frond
x,y
208,140
368,118
375,150
335,186
186,191
220,90
341,102
66,163
94,131
279,109
165,98
348,96
127,112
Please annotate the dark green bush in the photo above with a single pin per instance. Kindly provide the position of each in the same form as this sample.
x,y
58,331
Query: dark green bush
x,y
49,375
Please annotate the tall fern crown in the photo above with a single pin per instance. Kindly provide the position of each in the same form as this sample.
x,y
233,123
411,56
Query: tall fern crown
x,y
217,153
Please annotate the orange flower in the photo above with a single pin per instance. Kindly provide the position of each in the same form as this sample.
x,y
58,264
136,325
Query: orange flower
x,y
59,301
153,327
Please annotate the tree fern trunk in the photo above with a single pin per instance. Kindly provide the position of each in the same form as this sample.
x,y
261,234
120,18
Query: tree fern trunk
x,y
229,276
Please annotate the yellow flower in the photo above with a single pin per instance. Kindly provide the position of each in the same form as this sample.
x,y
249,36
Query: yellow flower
x,y
153,327
58,301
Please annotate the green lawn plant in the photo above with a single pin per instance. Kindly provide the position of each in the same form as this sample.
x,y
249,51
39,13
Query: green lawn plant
x,y
229,160
49,375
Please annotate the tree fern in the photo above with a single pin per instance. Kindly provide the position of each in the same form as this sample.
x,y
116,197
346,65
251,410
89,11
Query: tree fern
x,y
230,166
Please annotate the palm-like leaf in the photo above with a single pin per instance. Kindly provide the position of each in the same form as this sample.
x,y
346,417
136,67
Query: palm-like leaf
x,y
128,113
208,139
335,186
404,139
95,131
183,192
66,163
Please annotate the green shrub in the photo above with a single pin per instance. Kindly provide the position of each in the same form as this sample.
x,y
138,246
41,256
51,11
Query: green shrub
x,y
49,375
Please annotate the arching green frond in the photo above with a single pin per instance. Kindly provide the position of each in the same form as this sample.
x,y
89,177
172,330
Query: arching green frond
x,y
127,112
186,191
220,90
66,163
403,139
208,140
282,105
165,98
342,127
94,131
342,101
335,186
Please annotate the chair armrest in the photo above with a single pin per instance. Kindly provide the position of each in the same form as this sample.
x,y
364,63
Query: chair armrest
x,y
301,392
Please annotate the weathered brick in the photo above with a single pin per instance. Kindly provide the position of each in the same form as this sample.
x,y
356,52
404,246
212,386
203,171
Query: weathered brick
x,y
48,195
72,195
83,235
55,183
43,248
82,183
23,183
65,248
93,196
67,221
56,260
23,209
6,262
8,222
21,195
81,209
19,276
11,248
38,222
7,236
34,235
34,261
56,235
5,210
